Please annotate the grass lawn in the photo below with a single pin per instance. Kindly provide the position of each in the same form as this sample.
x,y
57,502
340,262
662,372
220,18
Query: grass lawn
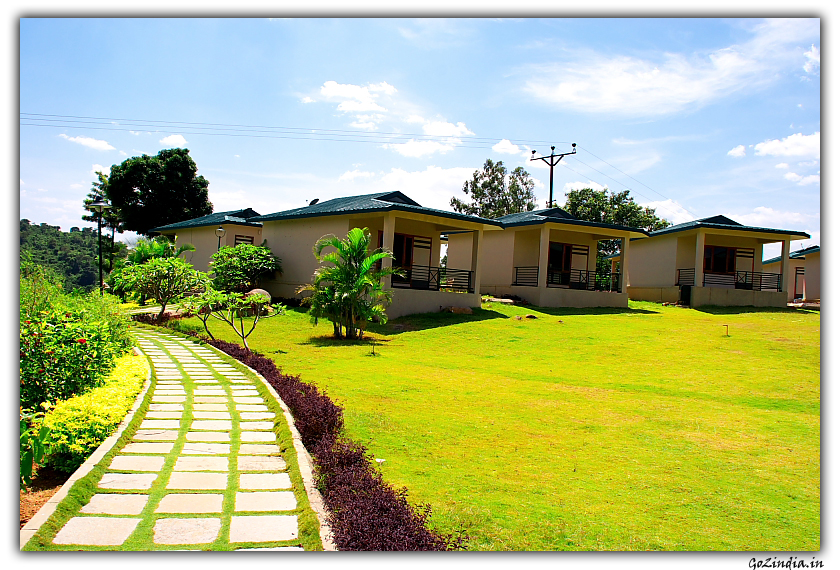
x,y
597,429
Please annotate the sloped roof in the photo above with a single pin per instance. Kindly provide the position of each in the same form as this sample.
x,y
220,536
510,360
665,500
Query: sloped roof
x,y
722,222
238,217
794,254
380,202
557,215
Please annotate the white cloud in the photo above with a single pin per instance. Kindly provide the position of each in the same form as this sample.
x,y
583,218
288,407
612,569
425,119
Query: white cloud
x,y
812,65
76,186
307,100
569,186
671,210
738,151
504,146
106,170
89,142
416,149
765,217
592,82
445,129
353,174
173,141
356,98
802,180
783,165
433,187
794,145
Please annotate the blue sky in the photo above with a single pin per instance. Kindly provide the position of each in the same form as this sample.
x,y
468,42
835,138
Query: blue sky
x,y
696,117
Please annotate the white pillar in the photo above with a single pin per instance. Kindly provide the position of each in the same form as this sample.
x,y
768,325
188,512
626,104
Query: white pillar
x,y
698,258
475,266
388,225
542,273
622,260
785,265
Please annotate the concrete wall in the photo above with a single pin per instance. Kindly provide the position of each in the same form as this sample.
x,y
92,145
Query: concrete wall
x,y
653,261
812,276
292,241
721,297
791,280
459,252
206,243
655,294
414,301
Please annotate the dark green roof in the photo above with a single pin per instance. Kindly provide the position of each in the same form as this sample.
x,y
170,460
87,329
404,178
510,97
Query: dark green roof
x,y
722,222
381,202
559,216
794,254
244,217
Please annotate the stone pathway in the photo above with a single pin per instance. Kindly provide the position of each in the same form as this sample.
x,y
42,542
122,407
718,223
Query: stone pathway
x,y
203,471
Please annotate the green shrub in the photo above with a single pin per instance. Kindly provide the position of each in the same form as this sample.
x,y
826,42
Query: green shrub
x,y
79,425
240,268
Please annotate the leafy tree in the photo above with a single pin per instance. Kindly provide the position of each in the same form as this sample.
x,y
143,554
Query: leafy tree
x,y
235,309
349,291
110,216
606,207
144,250
494,193
240,268
151,191
164,279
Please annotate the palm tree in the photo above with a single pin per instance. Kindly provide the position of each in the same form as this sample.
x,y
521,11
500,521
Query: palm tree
x,y
349,291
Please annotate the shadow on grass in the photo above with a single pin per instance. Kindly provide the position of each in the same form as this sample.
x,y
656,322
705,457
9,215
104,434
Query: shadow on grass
x,y
426,321
571,311
715,310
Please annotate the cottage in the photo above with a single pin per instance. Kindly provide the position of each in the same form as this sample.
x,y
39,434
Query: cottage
x,y
803,280
548,258
711,261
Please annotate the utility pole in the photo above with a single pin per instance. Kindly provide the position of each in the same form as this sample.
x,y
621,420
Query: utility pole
x,y
549,160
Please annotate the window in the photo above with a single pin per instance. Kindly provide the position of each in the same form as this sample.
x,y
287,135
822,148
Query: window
x,y
243,239
719,259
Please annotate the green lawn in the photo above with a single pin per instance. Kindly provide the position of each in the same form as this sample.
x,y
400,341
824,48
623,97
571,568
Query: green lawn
x,y
599,429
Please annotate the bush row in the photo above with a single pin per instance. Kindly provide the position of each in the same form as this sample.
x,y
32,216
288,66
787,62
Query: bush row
x,y
79,425
365,512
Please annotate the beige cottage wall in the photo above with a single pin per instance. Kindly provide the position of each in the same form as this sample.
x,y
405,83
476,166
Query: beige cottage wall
x,y
414,301
652,262
459,251
743,242
206,242
812,276
526,248
577,238
292,241
723,297
776,267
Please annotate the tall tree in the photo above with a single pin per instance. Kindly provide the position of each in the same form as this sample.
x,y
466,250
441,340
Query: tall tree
x,y
606,207
151,191
494,193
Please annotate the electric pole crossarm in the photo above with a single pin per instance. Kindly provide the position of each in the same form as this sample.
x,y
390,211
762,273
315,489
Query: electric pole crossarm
x,y
551,162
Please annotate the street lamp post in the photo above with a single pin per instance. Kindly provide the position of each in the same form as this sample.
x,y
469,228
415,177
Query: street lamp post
x,y
220,233
99,206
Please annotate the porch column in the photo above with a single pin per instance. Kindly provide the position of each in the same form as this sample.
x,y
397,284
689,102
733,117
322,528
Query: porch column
x,y
475,266
785,265
388,225
434,257
542,272
698,258
622,260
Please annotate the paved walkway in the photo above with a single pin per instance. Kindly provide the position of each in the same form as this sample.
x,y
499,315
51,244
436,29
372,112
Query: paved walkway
x,y
203,470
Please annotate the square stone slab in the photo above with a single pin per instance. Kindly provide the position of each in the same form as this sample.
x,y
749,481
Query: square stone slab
x,y
169,383
166,407
265,481
254,426
212,425
220,436
266,501
258,436
148,448
202,464
160,424
137,463
266,528
209,400
251,408
191,503
139,481
187,531
211,407
122,504
256,415
260,463
156,434
164,415
168,399
247,400
258,449
169,391
96,531
197,481
201,415
206,448
206,381
208,392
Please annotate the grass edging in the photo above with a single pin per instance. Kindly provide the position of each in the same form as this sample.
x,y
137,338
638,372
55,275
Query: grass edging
x,y
46,511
